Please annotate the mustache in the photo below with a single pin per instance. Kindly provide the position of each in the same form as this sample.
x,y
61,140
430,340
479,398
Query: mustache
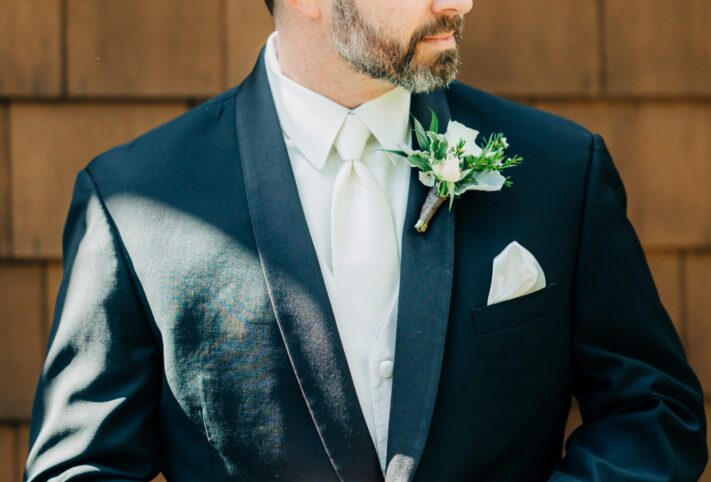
x,y
441,25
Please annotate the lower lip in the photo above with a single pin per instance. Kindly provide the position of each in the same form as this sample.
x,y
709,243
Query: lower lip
x,y
441,42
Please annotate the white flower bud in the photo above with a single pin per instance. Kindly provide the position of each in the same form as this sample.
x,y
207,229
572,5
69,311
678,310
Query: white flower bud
x,y
448,169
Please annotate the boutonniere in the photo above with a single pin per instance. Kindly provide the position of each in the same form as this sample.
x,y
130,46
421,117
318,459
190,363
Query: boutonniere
x,y
452,163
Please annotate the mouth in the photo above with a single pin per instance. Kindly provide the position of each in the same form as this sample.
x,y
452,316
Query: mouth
x,y
441,40
442,36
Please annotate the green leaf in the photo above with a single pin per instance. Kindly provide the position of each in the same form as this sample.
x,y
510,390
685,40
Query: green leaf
x,y
469,160
434,123
467,175
442,149
433,143
419,161
421,135
397,153
441,188
462,186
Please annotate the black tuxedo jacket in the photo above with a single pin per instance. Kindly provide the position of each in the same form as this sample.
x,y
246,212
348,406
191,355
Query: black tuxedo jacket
x,y
193,333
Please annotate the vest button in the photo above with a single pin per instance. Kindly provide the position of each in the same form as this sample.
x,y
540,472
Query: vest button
x,y
385,369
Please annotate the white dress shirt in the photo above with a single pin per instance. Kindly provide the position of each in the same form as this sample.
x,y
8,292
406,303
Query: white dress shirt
x,y
310,123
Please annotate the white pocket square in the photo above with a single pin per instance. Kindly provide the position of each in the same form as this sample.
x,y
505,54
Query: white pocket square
x,y
516,272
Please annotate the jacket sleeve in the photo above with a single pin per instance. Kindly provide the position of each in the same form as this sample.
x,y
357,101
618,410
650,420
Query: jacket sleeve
x,y
96,404
640,401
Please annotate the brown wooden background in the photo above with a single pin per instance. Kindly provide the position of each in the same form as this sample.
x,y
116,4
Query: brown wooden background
x,y
79,76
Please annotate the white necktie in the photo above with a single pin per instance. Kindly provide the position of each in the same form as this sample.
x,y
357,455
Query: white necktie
x,y
364,250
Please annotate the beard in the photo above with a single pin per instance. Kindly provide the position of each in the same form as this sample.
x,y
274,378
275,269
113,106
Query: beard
x,y
379,56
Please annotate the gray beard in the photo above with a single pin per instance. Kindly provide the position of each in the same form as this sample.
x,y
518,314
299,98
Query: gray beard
x,y
380,58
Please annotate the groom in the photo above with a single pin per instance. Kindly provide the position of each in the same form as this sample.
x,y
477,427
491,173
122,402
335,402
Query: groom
x,y
245,297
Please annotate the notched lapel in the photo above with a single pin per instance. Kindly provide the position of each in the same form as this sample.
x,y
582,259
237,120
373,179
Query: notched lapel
x,y
295,283
423,311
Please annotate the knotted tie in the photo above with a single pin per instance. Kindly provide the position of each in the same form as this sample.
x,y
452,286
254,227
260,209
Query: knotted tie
x,y
364,250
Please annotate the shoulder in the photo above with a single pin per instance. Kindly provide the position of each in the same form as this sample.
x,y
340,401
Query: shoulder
x,y
529,127
549,143
468,102
178,145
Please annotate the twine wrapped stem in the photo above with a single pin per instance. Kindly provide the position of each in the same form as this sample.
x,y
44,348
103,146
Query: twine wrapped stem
x,y
429,208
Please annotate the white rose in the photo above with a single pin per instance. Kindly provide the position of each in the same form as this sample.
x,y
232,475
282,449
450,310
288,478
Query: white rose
x,y
448,169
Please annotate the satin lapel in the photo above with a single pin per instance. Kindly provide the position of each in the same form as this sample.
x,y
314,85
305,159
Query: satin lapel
x,y
296,287
423,312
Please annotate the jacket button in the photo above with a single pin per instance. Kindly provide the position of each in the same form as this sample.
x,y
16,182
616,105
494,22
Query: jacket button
x,y
385,369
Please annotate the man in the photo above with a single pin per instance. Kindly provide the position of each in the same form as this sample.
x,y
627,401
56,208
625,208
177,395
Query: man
x,y
229,310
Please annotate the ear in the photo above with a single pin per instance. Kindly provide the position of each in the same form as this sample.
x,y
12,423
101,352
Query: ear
x,y
310,8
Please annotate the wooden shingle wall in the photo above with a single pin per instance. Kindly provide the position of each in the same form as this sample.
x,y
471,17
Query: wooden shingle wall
x,y
79,76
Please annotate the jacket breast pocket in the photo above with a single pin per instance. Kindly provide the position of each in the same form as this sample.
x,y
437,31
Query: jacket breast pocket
x,y
516,311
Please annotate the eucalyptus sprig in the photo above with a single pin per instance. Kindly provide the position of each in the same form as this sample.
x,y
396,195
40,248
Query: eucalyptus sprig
x,y
452,163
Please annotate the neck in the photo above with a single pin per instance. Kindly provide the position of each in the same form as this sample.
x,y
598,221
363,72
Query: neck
x,y
322,70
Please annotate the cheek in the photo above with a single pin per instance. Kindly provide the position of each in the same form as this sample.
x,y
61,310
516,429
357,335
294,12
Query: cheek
x,y
397,19
403,31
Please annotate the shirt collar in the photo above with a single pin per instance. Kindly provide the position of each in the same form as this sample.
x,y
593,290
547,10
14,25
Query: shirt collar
x,y
312,121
